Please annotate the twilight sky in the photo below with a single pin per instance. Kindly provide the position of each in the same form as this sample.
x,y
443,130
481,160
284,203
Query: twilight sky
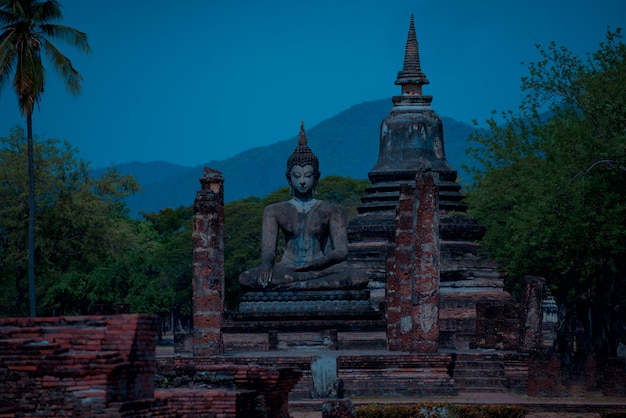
x,y
201,80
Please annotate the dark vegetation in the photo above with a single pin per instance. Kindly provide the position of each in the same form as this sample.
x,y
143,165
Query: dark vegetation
x,y
550,190
91,253
440,410
29,30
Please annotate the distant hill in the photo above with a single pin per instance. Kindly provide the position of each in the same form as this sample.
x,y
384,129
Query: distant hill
x,y
346,145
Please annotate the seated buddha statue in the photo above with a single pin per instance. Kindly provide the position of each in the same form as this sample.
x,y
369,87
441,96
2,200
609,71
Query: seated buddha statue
x,y
315,233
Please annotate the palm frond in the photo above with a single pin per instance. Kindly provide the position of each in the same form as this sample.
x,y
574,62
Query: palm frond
x,y
47,11
7,58
29,80
16,8
6,17
28,30
67,34
63,66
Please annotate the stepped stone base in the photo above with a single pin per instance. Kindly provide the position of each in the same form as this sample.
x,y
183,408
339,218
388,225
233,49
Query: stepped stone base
x,y
377,373
365,373
299,335
489,371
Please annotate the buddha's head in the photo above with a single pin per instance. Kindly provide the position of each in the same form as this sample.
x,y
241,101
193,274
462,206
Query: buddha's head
x,y
302,163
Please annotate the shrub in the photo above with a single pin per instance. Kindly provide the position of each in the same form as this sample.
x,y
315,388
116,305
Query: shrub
x,y
440,410
488,411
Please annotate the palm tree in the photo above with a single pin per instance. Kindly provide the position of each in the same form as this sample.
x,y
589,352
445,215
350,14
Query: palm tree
x,y
27,29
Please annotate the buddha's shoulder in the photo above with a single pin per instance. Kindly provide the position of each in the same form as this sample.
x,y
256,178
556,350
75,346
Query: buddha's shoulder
x,y
329,207
278,206
287,205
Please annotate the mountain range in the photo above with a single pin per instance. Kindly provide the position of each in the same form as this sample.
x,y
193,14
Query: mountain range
x,y
346,144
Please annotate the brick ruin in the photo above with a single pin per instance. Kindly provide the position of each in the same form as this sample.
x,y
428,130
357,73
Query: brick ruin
x,y
435,302
438,319
105,366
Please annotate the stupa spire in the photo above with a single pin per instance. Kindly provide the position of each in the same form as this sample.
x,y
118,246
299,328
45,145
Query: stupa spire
x,y
411,78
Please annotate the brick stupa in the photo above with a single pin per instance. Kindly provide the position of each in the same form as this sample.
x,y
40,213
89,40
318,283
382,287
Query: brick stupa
x,y
412,142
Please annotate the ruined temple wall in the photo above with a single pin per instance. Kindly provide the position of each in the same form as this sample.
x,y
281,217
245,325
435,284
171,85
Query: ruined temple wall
x,y
54,366
361,374
105,366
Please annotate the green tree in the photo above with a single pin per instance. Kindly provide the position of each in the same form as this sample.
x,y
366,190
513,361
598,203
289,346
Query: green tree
x,y
551,181
134,276
168,221
173,259
81,224
28,28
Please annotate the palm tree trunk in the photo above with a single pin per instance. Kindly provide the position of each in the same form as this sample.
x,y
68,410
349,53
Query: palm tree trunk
x,y
31,214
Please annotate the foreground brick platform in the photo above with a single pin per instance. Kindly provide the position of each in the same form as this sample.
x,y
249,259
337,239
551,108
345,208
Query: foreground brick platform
x,y
85,363
104,366
362,373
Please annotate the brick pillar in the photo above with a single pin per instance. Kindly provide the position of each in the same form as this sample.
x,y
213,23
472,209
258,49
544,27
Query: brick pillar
x,y
426,271
208,265
399,273
532,304
413,269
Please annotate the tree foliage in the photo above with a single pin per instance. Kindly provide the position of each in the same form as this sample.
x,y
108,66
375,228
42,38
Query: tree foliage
x,y
29,29
173,260
91,253
88,250
551,179
80,223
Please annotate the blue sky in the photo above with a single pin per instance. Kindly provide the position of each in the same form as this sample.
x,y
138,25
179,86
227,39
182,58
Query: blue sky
x,y
201,80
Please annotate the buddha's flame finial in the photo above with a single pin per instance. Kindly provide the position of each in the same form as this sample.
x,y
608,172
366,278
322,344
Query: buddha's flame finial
x,y
302,136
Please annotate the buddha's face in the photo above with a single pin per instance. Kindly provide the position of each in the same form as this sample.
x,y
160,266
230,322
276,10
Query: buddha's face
x,y
302,180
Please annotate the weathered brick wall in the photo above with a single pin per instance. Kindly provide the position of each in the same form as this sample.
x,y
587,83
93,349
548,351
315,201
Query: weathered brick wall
x,y
498,324
396,374
426,291
532,317
544,375
399,277
208,265
516,372
50,366
188,402
269,380
105,366
385,374
413,269
614,377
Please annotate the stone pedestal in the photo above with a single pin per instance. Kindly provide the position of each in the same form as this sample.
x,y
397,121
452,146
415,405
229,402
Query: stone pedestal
x,y
305,304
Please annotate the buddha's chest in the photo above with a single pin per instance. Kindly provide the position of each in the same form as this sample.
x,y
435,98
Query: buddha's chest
x,y
312,223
